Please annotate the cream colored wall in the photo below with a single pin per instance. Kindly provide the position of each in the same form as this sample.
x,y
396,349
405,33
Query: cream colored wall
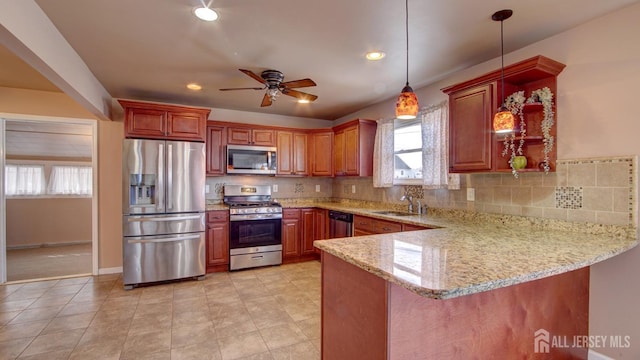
x,y
597,117
47,221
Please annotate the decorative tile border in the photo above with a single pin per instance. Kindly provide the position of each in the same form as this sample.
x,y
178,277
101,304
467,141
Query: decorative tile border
x,y
569,197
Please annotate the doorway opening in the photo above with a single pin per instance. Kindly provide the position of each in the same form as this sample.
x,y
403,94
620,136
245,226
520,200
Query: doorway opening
x,y
49,173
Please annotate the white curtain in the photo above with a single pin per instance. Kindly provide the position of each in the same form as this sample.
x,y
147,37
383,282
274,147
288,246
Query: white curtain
x,y
435,148
383,154
70,180
24,180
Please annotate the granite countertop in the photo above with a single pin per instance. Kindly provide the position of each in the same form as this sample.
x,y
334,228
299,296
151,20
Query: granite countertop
x,y
468,252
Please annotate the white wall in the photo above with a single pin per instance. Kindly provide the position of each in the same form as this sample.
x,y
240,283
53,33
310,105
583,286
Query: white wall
x,y
597,114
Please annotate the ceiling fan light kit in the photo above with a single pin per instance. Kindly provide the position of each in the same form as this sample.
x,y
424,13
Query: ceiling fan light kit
x,y
407,104
503,120
274,84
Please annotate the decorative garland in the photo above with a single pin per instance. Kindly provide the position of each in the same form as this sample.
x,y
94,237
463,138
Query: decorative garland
x,y
515,103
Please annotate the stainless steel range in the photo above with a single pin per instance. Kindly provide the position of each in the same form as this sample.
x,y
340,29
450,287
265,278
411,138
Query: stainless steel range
x,y
255,226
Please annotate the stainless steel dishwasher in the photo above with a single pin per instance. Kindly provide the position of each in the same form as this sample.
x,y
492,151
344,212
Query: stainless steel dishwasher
x,y
340,224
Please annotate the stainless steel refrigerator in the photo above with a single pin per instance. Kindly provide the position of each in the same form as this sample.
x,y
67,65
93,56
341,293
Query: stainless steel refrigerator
x,y
163,210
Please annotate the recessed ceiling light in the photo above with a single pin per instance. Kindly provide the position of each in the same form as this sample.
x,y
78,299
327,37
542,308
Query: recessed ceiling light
x,y
375,55
303,101
194,87
206,14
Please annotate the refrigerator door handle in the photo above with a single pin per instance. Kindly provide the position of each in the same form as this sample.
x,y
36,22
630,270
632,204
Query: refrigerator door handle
x,y
172,239
169,177
160,219
161,192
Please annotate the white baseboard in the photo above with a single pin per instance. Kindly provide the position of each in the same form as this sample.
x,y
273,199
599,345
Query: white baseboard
x,y
594,355
113,270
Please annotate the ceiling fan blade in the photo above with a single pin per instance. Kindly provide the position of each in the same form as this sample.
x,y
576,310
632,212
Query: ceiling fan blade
x,y
266,100
254,76
298,83
299,94
247,88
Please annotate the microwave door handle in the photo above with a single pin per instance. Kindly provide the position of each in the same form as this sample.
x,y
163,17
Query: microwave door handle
x,y
268,160
160,177
169,177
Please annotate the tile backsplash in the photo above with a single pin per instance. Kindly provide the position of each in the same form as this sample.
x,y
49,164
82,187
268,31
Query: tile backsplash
x,y
601,191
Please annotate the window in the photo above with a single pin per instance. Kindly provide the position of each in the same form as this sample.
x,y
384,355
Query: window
x,y
407,150
24,180
70,180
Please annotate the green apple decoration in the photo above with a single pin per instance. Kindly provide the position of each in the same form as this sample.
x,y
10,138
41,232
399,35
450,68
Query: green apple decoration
x,y
519,162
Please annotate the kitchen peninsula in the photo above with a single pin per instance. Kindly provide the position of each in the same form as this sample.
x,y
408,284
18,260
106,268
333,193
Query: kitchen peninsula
x,y
468,288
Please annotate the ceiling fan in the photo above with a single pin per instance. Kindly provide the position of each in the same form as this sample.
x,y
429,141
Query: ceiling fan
x,y
273,83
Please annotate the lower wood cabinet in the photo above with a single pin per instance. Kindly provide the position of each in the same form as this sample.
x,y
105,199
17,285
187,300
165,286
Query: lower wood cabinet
x,y
300,227
217,236
363,225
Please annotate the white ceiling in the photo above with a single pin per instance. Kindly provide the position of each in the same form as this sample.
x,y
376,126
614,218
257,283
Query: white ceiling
x,y
150,49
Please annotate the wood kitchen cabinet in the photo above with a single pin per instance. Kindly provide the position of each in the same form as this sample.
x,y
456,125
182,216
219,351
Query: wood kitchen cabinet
x,y
320,150
291,233
300,227
364,225
292,153
249,136
473,146
353,148
216,142
217,247
162,121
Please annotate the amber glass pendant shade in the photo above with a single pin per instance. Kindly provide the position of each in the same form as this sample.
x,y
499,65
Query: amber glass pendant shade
x,y
504,121
407,104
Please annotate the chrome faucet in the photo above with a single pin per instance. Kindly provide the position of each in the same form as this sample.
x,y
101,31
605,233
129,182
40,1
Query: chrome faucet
x,y
409,198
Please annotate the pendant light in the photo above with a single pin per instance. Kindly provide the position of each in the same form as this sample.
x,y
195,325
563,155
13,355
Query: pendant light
x,y
407,104
503,121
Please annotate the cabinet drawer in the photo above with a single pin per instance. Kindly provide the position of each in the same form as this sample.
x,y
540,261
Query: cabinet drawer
x,y
364,224
383,227
217,215
291,213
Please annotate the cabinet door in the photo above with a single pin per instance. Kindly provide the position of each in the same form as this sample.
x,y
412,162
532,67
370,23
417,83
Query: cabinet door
x,y
470,129
190,126
145,123
239,136
308,233
321,148
285,152
217,247
263,137
216,140
299,152
339,154
351,149
291,233
320,222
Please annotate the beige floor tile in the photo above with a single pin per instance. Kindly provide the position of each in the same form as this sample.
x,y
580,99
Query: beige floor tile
x,y
10,349
193,334
311,327
75,308
36,314
261,356
115,336
300,351
207,350
72,322
139,345
236,347
163,354
58,341
22,330
47,300
103,350
282,335
150,323
15,305
50,355
270,318
6,317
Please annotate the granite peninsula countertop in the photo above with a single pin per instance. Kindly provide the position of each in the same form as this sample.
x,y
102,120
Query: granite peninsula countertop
x,y
468,252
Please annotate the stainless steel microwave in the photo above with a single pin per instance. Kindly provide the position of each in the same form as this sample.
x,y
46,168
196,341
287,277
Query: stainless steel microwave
x,y
253,160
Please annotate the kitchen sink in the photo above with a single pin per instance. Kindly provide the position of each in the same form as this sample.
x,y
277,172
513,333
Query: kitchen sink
x,y
393,213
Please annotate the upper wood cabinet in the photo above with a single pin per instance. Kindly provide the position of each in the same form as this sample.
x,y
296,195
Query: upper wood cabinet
x,y
353,148
162,121
320,150
249,136
292,153
473,146
216,142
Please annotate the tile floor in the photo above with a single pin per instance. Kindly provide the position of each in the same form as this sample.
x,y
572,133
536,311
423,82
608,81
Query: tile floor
x,y
48,262
266,313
